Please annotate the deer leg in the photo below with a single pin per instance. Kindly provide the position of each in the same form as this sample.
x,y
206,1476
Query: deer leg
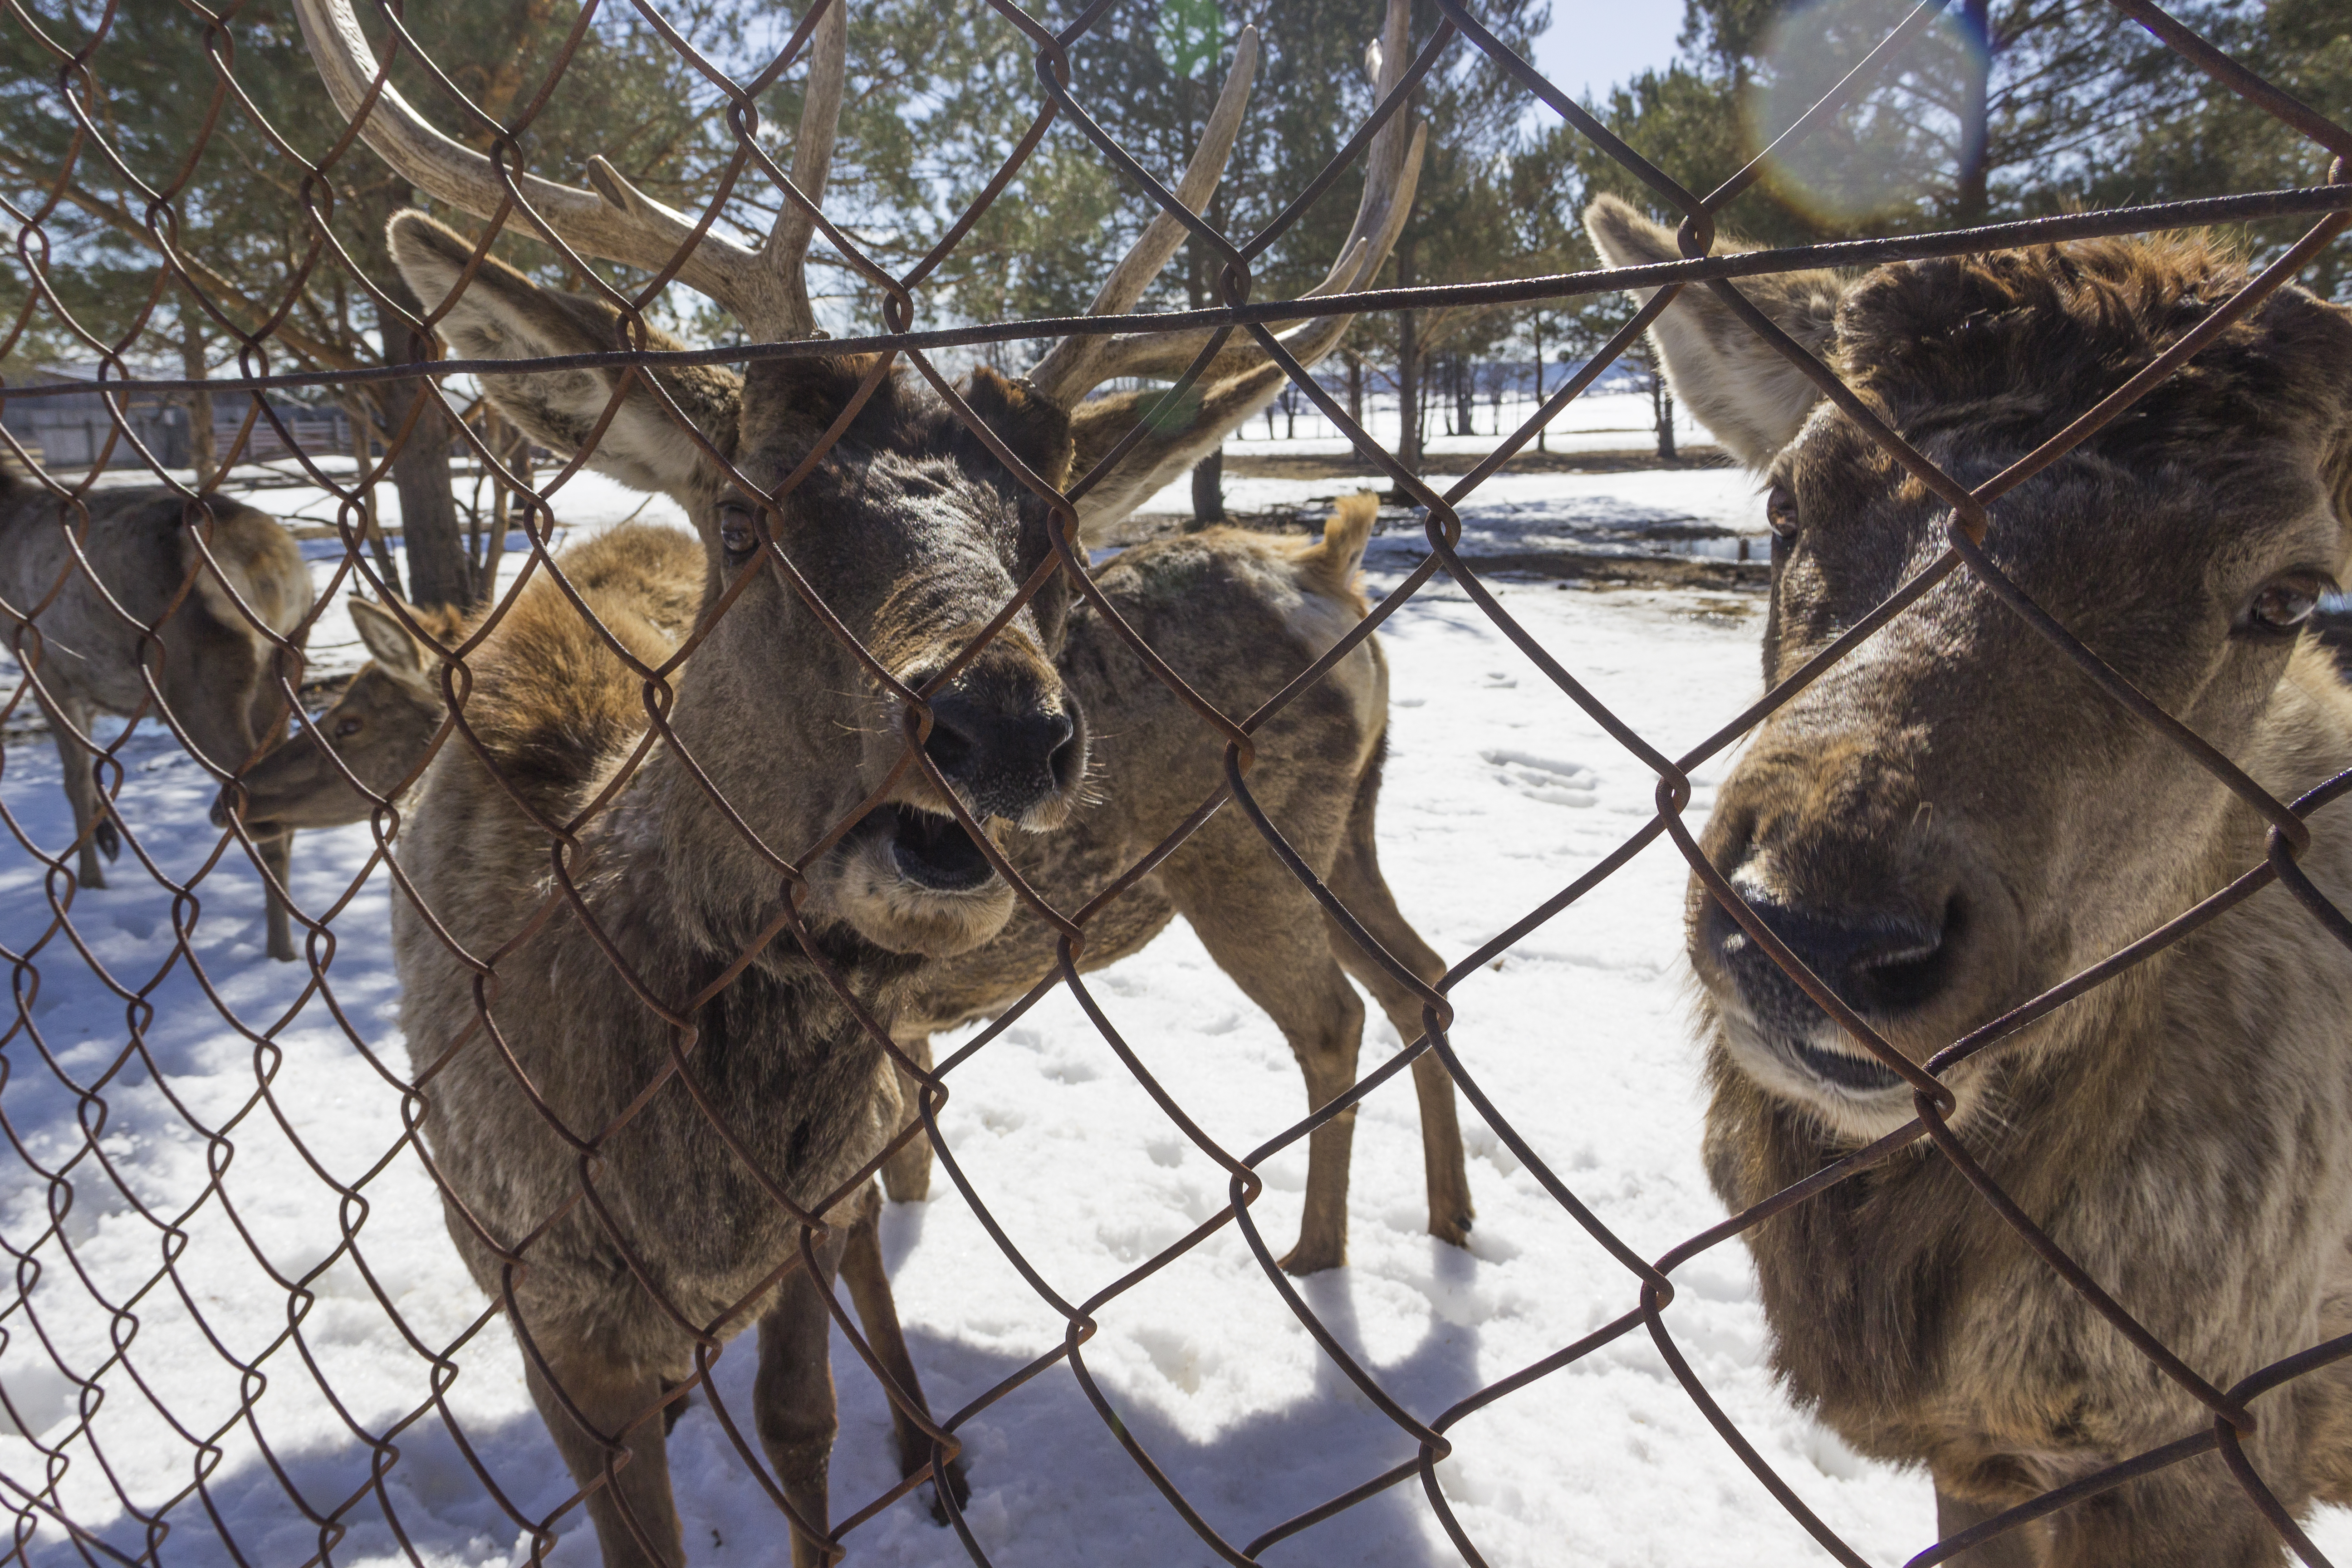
x,y
870,1292
674,1403
792,1402
1266,931
276,854
2013,1548
906,1176
91,829
1356,879
623,1446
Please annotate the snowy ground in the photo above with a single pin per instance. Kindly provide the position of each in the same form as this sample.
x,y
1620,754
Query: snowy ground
x,y
1499,791
1607,418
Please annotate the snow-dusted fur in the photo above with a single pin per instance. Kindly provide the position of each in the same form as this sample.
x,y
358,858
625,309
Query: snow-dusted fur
x,y
2184,1131
81,585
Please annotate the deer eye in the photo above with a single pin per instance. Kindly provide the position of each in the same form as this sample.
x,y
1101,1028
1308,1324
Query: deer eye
x,y
1780,511
737,534
348,725
2281,606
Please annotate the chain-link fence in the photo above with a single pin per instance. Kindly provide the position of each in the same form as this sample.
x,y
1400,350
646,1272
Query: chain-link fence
x,y
692,810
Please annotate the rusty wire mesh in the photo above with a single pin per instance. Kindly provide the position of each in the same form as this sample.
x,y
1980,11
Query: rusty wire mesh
x,y
320,1521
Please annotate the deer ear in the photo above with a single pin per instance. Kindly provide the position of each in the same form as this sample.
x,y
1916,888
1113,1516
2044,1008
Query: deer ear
x,y
395,652
501,314
1037,430
1733,383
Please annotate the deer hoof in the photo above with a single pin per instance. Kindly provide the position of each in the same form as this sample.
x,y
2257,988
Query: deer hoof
x,y
956,1484
1304,1260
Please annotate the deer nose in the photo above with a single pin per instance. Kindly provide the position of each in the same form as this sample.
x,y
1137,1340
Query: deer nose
x,y
1006,757
1884,966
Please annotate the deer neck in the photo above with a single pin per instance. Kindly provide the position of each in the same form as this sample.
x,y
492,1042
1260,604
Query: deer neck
x,y
715,872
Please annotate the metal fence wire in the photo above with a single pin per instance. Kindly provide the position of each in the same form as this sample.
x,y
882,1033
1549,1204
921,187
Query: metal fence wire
x,y
77,1320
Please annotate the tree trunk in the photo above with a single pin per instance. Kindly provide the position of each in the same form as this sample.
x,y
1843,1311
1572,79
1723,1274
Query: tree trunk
x,y
1407,447
1536,329
370,528
1661,404
200,455
518,464
438,572
1209,489
1971,203
1355,389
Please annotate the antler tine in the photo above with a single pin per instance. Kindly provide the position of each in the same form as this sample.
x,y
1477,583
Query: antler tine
x,y
1166,355
616,221
1392,174
784,257
1070,370
1243,378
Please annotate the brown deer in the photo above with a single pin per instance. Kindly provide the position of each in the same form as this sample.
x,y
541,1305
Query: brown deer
x,y
369,745
81,585
620,1267
1954,819
1197,600
1236,614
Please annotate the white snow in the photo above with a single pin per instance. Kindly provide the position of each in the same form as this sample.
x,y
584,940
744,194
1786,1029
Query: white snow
x,y
1499,791
1605,419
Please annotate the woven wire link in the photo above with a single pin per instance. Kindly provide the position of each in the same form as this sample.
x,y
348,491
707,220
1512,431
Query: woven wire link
x,y
322,1504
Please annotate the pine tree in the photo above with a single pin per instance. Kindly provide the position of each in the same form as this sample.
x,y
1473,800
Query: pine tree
x,y
262,241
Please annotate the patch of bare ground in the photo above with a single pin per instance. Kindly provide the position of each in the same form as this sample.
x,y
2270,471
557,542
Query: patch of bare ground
x,y
1591,569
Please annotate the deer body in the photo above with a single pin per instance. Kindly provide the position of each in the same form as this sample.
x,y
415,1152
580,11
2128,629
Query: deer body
x,y
1952,821
1236,614
216,670
655,1073
1198,600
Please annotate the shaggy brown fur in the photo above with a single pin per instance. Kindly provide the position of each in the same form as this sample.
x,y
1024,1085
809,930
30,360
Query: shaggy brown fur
x,y
911,537
1953,820
212,656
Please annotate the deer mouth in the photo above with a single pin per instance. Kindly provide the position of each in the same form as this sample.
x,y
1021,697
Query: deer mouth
x,y
932,850
1843,1069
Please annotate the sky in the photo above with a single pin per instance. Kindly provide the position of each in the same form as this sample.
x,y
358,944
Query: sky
x,y
1593,44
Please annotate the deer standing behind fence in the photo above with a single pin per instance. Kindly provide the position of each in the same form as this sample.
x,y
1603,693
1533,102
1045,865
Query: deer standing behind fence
x,y
1954,819
641,1109
137,602
1236,614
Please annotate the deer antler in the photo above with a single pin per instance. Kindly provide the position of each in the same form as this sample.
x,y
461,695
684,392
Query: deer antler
x,y
1243,378
766,290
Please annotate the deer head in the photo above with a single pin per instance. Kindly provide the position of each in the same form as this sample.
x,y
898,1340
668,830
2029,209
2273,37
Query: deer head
x,y
1955,818
371,741
910,532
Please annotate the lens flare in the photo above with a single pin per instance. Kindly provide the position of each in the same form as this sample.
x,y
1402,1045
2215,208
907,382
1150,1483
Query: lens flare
x,y
1898,138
